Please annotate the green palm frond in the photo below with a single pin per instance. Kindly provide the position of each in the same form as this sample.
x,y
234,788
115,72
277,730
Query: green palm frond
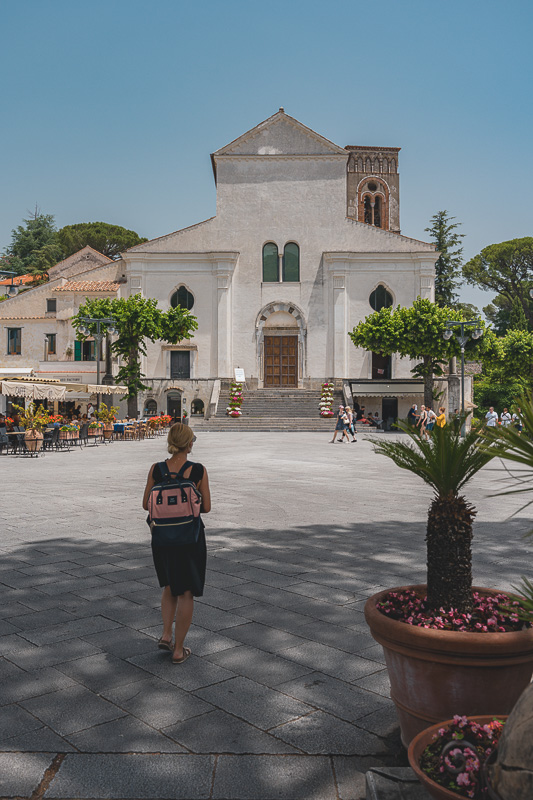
x,y
446,462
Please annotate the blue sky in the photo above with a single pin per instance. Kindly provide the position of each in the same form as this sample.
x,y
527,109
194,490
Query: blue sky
x,y
110,109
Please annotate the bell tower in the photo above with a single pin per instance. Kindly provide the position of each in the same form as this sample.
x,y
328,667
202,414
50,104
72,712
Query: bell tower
x,y
373,186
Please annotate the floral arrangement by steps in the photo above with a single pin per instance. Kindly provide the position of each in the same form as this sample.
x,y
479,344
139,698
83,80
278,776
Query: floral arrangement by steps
x,y
326,400
235,400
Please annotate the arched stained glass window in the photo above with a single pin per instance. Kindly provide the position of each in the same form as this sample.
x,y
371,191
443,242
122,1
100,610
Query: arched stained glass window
x,y
380,298
291,263
270,263
182,297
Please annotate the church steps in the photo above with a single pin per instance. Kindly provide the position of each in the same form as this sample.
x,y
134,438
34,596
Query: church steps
x,y
273,410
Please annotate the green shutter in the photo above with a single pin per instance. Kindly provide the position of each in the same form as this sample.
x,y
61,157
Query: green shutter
x,y
77,351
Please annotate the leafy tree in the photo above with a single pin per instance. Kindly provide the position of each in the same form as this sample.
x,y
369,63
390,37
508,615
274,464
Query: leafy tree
x,y
448,266
507,369
110,240
505,268
138,320
498,314
34,246
517,318
468,311
415,332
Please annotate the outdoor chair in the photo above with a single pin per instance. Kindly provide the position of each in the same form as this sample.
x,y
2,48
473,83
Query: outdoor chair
x,y
48,439
4,442
130,431
84,434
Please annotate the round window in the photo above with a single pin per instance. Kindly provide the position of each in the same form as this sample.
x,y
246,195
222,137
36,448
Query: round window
x,y
372,186
380,298
182,297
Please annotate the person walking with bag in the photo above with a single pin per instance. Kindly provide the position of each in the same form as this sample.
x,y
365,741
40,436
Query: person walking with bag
x,y
340,426
351,423
176,493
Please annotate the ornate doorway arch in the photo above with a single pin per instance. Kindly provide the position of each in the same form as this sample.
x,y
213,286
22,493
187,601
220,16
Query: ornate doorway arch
x,y
289,324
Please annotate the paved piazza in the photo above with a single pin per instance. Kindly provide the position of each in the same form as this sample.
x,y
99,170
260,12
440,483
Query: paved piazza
x,y
286,695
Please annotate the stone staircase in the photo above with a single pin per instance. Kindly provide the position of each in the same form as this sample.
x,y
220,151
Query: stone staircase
x,y
272,410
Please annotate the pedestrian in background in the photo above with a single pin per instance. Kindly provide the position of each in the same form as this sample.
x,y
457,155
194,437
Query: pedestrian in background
x,y
441,419
505,418
492,418
351,423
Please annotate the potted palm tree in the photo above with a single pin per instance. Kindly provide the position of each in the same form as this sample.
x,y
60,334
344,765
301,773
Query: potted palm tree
x,y
449,647
34,420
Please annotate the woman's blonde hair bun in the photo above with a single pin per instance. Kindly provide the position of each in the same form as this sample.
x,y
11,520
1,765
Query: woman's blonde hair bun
x,y
179,438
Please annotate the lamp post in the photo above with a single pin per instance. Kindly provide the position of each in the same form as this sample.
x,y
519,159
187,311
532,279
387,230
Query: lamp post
x,y
13,289
462,337
84,329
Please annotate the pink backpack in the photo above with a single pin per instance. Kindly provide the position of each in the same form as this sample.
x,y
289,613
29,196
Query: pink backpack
x,y
174,508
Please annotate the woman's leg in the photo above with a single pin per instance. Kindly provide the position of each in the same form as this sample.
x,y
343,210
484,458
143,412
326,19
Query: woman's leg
x,y
168,612
183,621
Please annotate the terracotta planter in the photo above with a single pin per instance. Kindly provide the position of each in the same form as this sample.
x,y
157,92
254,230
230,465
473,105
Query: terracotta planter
x,y
33,440
419,744
435,674
108,430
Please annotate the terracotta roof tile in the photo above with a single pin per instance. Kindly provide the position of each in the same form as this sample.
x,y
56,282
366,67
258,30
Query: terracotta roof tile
x,y
88,286
24,317
18,280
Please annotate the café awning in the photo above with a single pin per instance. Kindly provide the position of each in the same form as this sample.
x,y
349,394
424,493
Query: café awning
x,y
106,388
33,391
377,388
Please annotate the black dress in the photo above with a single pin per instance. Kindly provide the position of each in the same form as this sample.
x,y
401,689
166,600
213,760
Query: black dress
x,y
182,567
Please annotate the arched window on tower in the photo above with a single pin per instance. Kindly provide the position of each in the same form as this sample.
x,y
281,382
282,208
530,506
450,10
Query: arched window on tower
x,y
367,210
380,298
291,263
368,165
385,165
377,211
270,263
359,164
376,165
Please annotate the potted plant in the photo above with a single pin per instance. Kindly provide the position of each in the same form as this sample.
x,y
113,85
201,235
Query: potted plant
x,y
448,646
450,758
94,429
235,400
34,420
326,400
107,416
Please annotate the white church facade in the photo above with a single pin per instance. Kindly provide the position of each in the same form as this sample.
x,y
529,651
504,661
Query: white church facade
x,y
305,244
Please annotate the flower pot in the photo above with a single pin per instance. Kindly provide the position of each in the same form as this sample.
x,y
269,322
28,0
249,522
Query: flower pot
x,y
108,430
419,744
435,674
33,440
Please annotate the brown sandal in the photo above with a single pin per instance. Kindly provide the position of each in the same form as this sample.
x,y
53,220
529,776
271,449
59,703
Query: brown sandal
x,y
164,644
185,656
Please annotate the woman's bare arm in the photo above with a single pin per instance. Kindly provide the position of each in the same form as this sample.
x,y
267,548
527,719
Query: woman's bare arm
x,y
203,488
149,483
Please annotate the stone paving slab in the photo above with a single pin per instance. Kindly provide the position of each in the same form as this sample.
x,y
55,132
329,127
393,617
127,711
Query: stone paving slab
x,y
282,662
274,778
143,777
21,773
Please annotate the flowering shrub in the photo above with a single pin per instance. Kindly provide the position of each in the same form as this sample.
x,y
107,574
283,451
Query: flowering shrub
x,y
488,614
457,753
9,421
166,419
235,400
326,400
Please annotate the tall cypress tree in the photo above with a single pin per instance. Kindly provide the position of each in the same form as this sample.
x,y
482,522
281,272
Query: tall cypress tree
x,y
517,317
447,241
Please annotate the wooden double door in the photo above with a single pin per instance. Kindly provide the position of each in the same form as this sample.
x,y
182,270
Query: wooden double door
x,y
281,361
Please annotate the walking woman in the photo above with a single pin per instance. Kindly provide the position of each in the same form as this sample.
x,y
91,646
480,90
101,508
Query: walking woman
x,y
422,420
180,568
340,426
351,423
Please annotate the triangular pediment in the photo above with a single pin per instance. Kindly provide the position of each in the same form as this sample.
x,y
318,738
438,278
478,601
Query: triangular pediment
x,y
280,134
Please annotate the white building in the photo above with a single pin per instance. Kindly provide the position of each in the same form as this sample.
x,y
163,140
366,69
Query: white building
x,y
37,337
305,242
